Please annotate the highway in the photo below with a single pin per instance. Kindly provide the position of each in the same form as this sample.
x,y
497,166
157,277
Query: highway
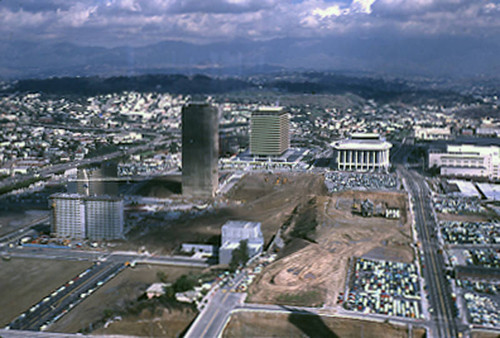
x,y
49,170
17,234
433,267
68,295
59,301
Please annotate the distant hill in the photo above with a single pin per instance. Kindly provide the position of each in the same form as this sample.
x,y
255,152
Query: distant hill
x,y
197,84
310,83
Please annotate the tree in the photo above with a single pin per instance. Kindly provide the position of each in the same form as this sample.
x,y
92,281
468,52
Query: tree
x,y
162,276
240,255
184,283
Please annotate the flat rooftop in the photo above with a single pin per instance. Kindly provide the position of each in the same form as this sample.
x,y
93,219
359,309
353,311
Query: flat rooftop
x,y
241,224
361,144
269,111
290,156
85,197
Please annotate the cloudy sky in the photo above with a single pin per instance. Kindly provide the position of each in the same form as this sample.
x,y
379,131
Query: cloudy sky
x,y
133,22
81,37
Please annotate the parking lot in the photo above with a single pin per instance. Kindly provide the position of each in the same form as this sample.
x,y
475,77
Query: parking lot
x,y
450,204
482,310
488,258
341,181
383,287
479,286
479,233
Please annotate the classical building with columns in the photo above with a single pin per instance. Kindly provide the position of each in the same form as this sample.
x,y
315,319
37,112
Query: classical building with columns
x,y
362,152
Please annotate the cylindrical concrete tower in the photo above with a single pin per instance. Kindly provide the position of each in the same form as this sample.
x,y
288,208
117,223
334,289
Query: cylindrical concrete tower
x,y
200,149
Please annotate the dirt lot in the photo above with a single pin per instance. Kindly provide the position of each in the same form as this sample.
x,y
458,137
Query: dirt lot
x,y
116,294
318,270
251,324
257,197
484,334
11,220
24,282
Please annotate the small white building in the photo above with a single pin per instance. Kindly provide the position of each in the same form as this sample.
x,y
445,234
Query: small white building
x,y
202,249
432,133
362,152
156,289
233,232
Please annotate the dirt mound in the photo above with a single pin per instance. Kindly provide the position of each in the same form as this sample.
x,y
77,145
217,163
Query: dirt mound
x,y
161,187
307,270
293,246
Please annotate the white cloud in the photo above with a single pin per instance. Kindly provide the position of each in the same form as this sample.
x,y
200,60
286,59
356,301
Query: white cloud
x,y
75,16
362,6
329,11
114,22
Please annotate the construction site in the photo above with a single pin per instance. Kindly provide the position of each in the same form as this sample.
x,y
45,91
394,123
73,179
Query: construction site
x,y
315,233
263,197
321,236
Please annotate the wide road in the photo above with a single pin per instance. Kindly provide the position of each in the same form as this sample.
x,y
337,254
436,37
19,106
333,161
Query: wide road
x,y
89,255
433,266
211,320
338,312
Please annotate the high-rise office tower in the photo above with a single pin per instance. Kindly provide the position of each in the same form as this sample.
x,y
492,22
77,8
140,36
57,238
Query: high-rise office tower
x,y
269,131
200,149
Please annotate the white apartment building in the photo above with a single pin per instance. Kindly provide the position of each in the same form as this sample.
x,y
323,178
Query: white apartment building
x,y
67,216
362,152
104,217
94,217
467,160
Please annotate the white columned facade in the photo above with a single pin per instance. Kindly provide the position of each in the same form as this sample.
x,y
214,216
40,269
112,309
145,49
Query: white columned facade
x,y
362,152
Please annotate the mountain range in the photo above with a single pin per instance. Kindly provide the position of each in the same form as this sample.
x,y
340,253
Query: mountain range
x,y
444,56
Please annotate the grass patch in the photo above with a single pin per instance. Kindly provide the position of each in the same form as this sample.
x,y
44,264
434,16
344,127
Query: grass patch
x,y
306,298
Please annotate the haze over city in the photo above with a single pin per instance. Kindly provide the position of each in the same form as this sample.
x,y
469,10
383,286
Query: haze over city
x,y
245,168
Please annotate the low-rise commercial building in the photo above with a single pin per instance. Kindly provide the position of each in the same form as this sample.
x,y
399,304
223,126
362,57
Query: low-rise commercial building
x,y
432,133
233,232
362,152
467,160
